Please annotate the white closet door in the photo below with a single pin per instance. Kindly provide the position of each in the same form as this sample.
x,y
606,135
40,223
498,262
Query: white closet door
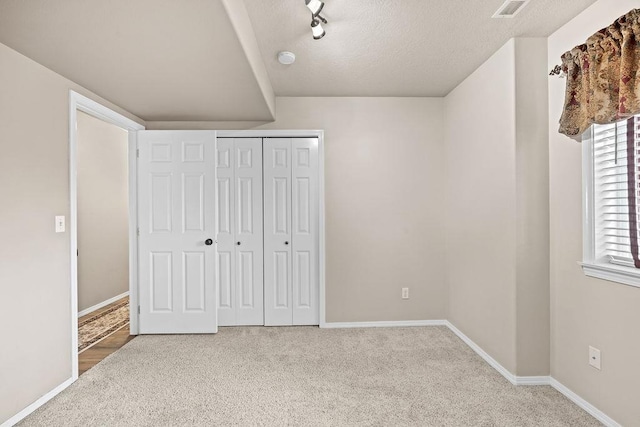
x,y
225,232
176,219
277,232
305,217
248,209
291,231
239,257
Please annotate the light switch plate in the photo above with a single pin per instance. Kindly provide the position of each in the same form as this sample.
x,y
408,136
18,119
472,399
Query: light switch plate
x,y
60,224
594,358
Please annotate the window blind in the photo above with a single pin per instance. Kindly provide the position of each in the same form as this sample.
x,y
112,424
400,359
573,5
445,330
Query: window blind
x,y
616,156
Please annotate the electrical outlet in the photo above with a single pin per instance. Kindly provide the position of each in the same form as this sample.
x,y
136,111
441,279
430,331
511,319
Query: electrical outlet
x,y
405,293
594,358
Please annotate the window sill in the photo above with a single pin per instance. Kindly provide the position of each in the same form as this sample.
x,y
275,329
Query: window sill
x,y
613,273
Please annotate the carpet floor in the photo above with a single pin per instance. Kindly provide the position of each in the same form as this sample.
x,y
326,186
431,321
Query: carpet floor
x,y
423,376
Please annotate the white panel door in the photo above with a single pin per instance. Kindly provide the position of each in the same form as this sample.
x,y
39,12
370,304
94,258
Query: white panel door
x,y
291,229
278,308
176,200
239,228
304,227
248,210
226,233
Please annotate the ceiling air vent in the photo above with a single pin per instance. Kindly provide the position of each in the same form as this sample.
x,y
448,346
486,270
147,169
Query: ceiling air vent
x,y
510,8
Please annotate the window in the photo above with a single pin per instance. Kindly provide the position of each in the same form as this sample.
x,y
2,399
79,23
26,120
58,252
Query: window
x,y
611,176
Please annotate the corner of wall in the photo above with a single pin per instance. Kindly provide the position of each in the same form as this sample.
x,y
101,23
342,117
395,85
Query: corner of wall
x,y
532,208
244,30
480,172
514,134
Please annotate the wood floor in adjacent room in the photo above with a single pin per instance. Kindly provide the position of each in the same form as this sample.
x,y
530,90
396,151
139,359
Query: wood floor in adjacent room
x,y
96,353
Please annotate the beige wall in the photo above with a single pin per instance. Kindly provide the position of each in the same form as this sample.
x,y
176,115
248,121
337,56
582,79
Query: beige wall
x,y
532,208
34,261
587,311
389,164
480,188
384,182
497,207
103,211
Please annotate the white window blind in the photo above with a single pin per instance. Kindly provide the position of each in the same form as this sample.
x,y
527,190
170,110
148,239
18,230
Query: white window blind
x,y
613,182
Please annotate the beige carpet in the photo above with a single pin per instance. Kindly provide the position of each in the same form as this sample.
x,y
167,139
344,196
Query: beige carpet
x,y
303,376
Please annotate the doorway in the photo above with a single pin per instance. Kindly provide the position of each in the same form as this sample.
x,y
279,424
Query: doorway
x,y
103,246
102,147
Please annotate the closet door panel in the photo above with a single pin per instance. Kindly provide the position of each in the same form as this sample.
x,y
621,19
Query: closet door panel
x,y
277,232
249,236
225,229
304,235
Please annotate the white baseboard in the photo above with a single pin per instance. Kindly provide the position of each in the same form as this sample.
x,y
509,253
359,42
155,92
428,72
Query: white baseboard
x,y
102,304
541,380
35,405
385,324
490,360
537,380
513,379
595,412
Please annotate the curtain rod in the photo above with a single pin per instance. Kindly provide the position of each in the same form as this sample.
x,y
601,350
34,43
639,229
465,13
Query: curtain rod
x,y
557,71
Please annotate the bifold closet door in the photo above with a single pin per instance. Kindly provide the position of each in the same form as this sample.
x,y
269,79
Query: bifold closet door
x,y
176,217
239,231
305,230
291,231
277,232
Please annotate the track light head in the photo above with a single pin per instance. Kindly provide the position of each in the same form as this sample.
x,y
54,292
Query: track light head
x,y
317,30
315,6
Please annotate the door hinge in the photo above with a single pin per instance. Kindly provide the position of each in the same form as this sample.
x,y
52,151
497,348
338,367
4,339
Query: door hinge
x,y
138,231
137,152
138,309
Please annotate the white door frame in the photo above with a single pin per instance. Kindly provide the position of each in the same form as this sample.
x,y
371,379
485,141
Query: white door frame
x,y
91,107
321,245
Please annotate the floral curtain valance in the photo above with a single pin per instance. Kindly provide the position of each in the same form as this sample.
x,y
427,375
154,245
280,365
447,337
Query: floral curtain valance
x,y
603,77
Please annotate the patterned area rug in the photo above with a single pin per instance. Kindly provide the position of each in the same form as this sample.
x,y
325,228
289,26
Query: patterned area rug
x,y
100,326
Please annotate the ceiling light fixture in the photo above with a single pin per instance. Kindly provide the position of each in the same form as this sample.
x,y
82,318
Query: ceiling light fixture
x,y
286,58
316,6
317,30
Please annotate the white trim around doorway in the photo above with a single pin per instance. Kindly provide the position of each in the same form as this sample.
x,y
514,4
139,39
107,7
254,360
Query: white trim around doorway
x,y
91,107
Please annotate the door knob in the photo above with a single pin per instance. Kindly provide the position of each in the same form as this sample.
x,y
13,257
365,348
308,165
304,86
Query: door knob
x,y
208,242
238,243
286,243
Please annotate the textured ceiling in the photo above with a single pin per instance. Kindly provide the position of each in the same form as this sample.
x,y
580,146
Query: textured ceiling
x,y
158,59
392,47
198,60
